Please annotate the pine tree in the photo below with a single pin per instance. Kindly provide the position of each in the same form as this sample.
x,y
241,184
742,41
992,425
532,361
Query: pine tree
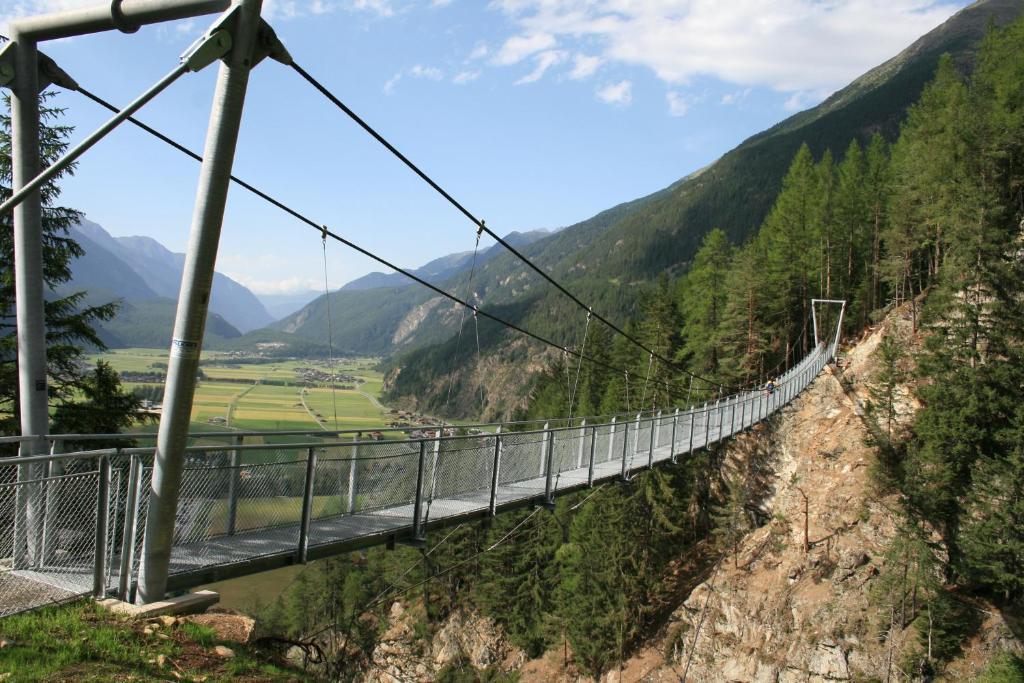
x,y
790,234
594,376
992,536
517,577
925,186
70,324
104,407
745,333
866,288
885,389
659,328
704,293
621,389
730,519
829,236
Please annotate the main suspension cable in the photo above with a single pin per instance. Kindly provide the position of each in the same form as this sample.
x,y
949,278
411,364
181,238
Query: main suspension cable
x,y
480,224
320,228
85,145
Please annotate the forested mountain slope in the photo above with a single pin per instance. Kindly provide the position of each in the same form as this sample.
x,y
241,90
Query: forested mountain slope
x,y
612,260
386,320
873,530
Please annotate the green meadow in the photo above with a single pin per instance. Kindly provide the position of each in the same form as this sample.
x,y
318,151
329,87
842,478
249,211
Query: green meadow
x,y
235,395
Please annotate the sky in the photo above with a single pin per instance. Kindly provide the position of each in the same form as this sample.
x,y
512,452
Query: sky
x,y
533,113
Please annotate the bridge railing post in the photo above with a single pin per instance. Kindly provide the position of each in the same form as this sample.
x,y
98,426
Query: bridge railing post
x,y
53,469
131,524
99,567
675,431
434,460
693,418
353,463
636,439
706,412
583,441
495,473
548,444
719,415
590,463
418,501
733,403
653,440
657,434
234,485
625,450
611,441
307,505
545,454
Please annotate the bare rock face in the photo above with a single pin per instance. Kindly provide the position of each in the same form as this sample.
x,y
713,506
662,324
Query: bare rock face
x,y
397,657
465,638
793,604
777,614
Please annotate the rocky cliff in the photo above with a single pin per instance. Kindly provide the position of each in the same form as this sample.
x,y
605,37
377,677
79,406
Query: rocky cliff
x,y
792,601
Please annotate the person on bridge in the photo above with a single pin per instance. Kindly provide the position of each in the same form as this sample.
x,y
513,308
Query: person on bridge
x,y
770,387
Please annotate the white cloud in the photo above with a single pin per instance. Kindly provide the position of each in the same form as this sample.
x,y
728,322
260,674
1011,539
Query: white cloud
x,y
480,50
787,45
464,77
381,8
544,61
620,93
677,104
584,66
732,98
429,73
389,87
518,48
291,285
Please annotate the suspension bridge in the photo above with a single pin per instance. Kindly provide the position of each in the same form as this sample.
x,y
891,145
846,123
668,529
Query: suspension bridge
x,y
138,522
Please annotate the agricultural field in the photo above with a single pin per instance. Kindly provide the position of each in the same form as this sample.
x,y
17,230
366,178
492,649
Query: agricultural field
x,y
236,395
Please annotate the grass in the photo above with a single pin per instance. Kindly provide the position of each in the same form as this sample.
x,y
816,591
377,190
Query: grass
x,y
81,642
355,411
272,407
228,392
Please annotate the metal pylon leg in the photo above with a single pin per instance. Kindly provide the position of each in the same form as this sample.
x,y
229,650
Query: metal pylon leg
x,y
194,299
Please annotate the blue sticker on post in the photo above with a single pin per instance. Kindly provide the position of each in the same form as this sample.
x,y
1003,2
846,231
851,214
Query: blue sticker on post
x,y
184,349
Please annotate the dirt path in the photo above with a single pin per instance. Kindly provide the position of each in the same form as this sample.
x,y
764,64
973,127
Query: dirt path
x,y
234,404
373,400
302,397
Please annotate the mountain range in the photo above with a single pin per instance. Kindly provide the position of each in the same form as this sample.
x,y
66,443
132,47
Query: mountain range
x,y
144,277
609,259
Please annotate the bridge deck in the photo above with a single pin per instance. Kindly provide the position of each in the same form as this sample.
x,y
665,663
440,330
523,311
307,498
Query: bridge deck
x,y
204,553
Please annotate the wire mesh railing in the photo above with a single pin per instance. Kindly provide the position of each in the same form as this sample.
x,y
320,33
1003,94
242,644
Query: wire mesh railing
x,y
72,523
